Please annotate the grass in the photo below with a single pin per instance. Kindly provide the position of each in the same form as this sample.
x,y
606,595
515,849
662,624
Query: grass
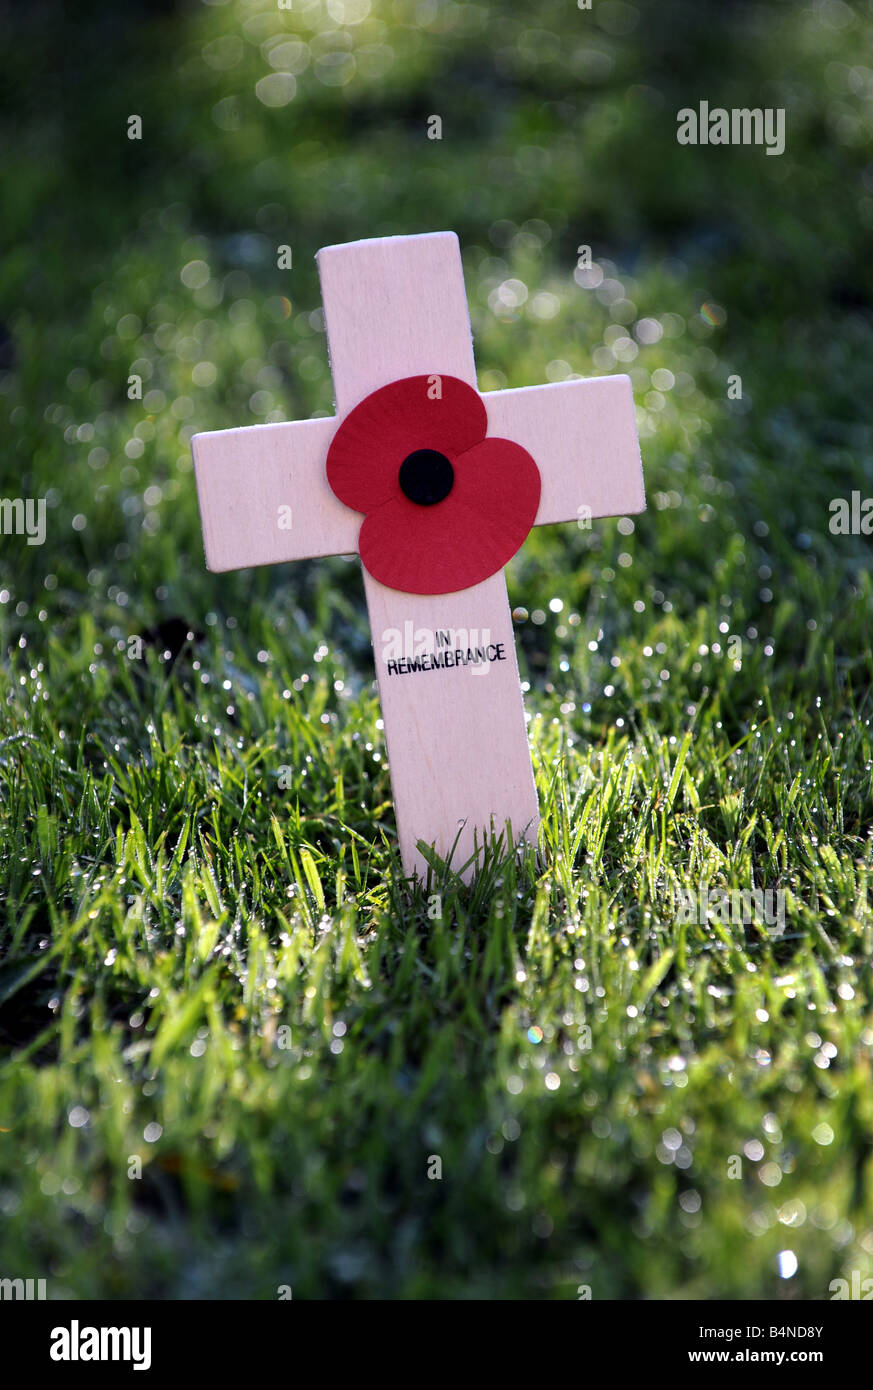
x,y
233,1039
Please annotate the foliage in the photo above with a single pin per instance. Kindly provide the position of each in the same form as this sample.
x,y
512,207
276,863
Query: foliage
x,y
230,979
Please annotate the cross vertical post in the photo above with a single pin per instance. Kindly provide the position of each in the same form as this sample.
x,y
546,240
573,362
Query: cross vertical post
x,y
457,739
457,743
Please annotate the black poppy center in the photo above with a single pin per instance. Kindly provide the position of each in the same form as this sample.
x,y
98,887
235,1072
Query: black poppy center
x,y
426,476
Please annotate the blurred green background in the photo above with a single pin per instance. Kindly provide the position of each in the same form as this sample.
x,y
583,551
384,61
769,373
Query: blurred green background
x,y
263,127
145,892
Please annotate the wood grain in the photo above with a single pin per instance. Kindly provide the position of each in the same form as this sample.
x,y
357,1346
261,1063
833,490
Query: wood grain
x,y
394,307
583,436
457,740
244,476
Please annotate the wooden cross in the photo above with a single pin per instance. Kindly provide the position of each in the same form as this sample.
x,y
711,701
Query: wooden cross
x,y
457,741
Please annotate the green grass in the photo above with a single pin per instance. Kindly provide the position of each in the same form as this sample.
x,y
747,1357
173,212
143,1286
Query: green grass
x,y
229,979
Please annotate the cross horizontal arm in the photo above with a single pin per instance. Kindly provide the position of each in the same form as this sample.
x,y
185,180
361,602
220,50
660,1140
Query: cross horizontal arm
x,y
583,437
264,495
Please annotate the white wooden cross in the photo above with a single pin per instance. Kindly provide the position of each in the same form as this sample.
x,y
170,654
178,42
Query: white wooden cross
x,y
457,740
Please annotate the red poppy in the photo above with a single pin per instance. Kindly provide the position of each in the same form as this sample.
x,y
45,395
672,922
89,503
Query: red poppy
x,y
445,507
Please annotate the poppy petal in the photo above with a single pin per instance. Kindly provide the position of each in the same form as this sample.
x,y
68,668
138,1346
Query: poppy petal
x,y
464,539
371,443
499,484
